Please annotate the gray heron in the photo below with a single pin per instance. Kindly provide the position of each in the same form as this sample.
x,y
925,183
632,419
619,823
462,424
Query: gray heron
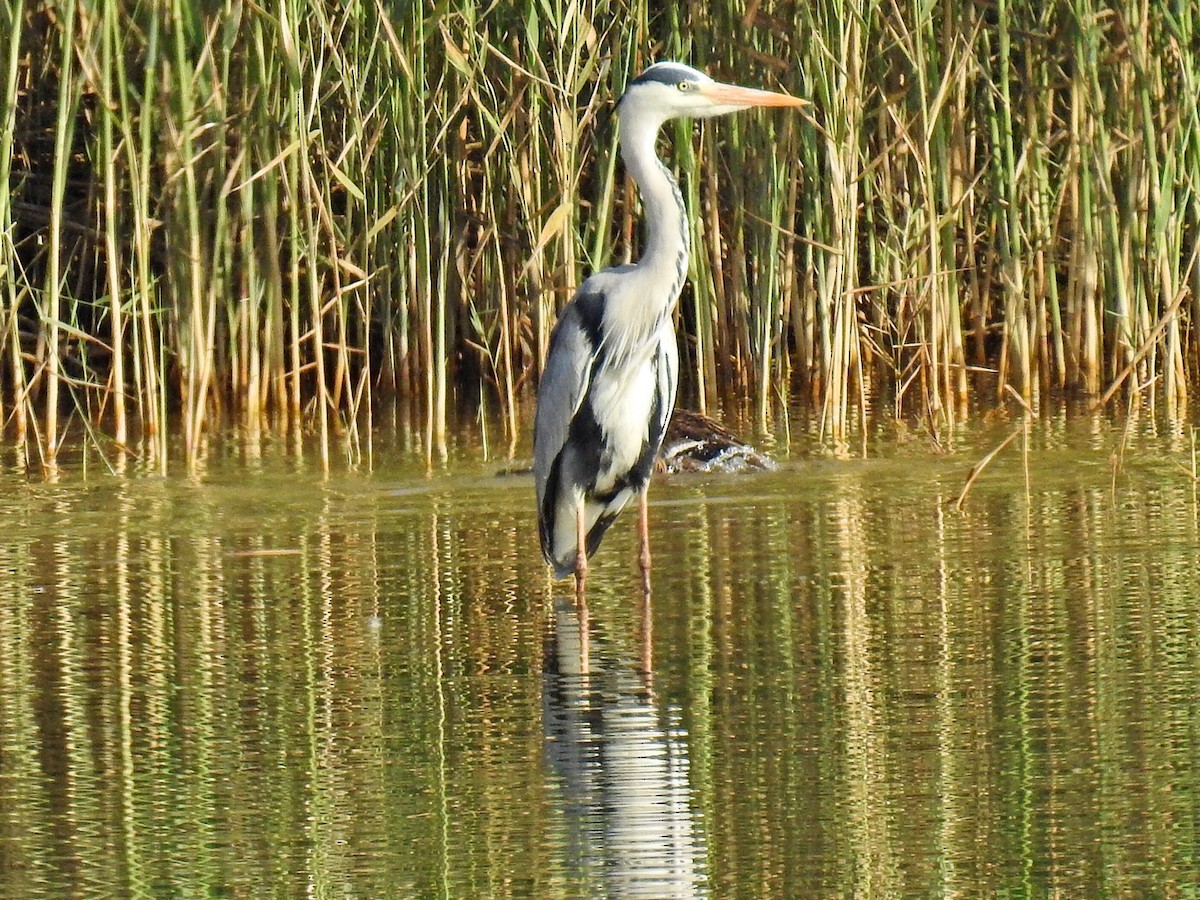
x,y
608,386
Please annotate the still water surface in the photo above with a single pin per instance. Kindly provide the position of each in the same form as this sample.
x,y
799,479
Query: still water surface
x,y
262,681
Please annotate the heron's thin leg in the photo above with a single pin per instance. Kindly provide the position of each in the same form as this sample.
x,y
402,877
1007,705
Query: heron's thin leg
x,y
580,557
644,541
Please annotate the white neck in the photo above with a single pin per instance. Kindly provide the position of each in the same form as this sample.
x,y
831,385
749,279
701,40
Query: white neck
x,y
667,241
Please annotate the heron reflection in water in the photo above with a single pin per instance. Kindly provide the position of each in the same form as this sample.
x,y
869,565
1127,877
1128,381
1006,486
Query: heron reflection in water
x,y
608,388
620,760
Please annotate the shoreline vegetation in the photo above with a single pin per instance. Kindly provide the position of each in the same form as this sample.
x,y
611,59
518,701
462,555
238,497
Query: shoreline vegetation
x,y
278,217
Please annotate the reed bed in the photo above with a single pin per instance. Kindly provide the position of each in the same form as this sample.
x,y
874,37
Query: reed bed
x,y
278,218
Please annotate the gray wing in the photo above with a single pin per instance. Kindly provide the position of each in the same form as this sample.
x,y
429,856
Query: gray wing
x,y
562,388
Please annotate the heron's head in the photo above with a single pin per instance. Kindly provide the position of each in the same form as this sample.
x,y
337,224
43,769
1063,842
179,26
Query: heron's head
x,y
669,90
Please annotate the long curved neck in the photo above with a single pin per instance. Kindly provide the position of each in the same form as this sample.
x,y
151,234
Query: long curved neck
x,y
666,229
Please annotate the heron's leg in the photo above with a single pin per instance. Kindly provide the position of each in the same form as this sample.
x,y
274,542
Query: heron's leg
x,y
644,540
580,557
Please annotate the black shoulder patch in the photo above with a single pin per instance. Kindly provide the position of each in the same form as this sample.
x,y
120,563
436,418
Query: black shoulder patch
x,y
590,307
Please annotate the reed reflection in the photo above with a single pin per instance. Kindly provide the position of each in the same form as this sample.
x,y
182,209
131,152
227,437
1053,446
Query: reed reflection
x,y
619,759
273,680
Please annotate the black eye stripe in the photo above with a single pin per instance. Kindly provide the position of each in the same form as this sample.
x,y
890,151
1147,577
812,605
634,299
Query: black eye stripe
x,y
665,74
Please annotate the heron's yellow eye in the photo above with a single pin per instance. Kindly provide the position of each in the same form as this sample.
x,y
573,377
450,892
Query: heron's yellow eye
x,y
685,85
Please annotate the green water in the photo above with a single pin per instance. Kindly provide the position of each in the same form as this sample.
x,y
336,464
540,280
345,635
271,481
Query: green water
x,y
258,681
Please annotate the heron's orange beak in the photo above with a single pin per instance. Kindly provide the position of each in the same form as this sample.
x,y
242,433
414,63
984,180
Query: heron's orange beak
x,y
731,94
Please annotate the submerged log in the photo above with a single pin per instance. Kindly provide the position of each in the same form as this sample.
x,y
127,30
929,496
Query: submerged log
x,y
699,443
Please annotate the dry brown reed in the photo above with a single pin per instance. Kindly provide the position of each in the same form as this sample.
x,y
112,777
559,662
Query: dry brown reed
x,y
279,218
